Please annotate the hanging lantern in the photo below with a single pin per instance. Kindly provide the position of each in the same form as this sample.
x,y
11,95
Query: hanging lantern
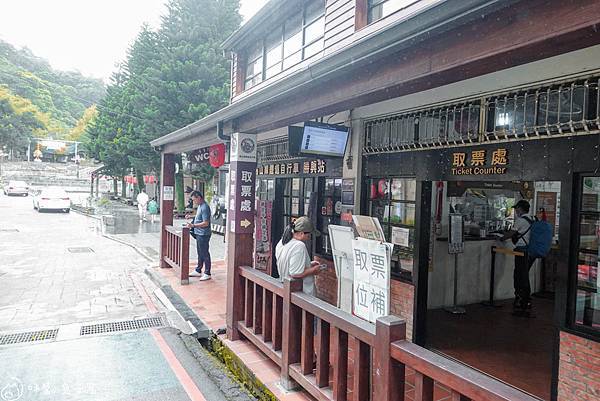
x,y
217,155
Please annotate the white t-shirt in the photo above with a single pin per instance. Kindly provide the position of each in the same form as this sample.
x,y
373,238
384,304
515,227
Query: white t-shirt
x,y
293,258
142,198
522,226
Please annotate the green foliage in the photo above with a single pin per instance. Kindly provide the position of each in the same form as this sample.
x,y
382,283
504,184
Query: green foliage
x,y
57,99
171,78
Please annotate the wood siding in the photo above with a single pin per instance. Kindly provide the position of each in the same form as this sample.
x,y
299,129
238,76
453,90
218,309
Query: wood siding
x,y
339,21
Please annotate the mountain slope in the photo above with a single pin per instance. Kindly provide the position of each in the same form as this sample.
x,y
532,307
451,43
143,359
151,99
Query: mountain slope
x,y
58,99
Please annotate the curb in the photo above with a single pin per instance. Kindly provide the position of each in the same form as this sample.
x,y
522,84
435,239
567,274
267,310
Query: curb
x,y
203,332
217,371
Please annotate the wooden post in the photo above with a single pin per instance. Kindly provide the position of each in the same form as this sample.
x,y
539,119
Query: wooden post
x,y
291,337
340,365
322,373
167,178
388,374
267,316
277,321
362,363
240,224
423,387
185,255
308,342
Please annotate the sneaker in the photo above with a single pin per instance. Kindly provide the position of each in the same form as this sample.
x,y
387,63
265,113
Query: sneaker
x,y
205,277
198,270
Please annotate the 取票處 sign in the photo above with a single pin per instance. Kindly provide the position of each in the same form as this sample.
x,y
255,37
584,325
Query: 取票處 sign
x,y
480,162
242,179
372,260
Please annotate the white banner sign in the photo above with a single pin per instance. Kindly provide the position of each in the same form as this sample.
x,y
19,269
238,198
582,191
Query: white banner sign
x,y
168,193
372,270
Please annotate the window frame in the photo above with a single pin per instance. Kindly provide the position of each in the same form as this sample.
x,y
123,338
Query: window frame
x,y
370,7
397,272
573,281
304,24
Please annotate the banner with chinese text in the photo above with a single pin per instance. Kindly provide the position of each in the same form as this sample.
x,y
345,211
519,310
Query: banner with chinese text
x,y
372,273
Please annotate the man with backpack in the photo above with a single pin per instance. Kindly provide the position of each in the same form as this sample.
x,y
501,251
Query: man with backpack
x,y
532,238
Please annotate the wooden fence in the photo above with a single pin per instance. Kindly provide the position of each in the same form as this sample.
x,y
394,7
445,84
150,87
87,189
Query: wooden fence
x,y
178,250
354,359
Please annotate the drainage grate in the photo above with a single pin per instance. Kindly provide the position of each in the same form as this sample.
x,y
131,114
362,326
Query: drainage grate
x,y
121,326
8,230
28,337
82,249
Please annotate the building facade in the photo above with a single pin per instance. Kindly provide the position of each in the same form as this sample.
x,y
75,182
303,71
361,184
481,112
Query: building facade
x,y
454,108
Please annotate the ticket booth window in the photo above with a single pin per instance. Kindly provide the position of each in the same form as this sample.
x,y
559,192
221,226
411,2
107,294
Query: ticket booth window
x,y
392,201
587,299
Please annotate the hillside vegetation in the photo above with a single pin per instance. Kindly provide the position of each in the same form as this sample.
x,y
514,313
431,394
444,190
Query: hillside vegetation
x,y
38,101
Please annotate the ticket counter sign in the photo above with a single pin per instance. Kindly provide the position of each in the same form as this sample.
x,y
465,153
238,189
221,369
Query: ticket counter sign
x,y
480,162
372,273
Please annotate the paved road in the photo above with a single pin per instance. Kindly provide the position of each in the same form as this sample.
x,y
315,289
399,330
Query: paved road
x,y
58,273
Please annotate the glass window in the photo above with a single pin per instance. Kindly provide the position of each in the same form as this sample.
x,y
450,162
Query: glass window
x,y
328,211
393,202
274,53
382,8
587,299
314,31
254,67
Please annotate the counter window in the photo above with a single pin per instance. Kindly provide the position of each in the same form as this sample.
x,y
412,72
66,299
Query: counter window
x,y
587,299
392,201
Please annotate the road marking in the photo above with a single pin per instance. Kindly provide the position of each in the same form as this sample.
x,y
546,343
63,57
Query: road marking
x,y
182,375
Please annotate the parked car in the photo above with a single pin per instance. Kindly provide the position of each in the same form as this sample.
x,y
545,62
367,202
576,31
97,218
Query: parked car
x,y
16,188
52,199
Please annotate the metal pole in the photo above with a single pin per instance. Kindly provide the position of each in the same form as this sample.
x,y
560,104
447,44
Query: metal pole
x,y
455,309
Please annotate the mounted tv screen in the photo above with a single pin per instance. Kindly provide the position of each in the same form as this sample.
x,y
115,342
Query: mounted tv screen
x,y
324,139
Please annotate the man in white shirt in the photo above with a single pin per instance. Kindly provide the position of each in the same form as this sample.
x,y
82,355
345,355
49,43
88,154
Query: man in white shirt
x,y
292,256
520,234
142,203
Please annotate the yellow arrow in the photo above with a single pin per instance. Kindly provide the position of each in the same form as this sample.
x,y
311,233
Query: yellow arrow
x,y
245,223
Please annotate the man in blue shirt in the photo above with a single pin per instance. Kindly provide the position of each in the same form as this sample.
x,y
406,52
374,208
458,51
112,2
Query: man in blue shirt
x,y
202,229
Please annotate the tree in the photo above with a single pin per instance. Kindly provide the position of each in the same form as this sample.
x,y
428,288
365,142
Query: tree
x,y
171,78
88,117
17,128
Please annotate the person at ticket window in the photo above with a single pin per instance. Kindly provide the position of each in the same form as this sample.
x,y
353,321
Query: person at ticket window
x,y
292,256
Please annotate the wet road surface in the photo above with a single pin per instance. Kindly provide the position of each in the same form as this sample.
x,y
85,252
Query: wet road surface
x,y
57,274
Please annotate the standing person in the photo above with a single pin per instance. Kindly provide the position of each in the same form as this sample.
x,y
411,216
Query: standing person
x,y
202,229
153,208
520,235
142,201
292,256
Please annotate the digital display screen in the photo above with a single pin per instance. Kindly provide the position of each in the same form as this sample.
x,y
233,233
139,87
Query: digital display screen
x,y
324,139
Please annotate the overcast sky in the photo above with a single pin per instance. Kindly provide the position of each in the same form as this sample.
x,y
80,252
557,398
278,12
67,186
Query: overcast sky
x,y
89,36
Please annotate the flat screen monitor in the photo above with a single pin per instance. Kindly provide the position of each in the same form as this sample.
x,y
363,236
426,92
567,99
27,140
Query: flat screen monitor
x,y
324,139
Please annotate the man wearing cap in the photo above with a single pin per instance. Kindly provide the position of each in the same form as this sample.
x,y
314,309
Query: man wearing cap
x,y
292,256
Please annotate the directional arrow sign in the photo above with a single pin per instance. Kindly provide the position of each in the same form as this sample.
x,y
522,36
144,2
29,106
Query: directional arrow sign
x,y
245,223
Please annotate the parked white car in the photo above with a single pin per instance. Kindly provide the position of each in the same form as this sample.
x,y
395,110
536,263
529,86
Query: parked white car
x,y
16,188
52,199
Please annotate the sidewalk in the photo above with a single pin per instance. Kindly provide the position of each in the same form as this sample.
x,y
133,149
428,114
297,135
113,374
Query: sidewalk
x,y
208,300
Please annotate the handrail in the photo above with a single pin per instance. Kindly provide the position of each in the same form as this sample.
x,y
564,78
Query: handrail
x,y
466,381
174,230
262,279
354,326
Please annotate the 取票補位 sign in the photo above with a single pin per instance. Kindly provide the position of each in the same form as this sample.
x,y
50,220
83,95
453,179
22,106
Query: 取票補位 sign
x,y
372,263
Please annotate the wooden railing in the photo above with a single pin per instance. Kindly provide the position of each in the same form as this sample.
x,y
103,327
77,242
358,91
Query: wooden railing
x,y
353,359
178,251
